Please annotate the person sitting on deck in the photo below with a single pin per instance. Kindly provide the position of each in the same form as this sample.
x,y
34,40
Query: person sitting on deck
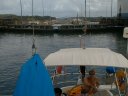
x,y
91,83
121,80
58,92
82,71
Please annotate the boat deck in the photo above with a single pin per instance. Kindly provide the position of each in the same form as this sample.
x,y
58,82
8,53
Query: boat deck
x,y
103,93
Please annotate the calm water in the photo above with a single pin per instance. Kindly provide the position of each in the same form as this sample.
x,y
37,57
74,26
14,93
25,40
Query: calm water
x,y
15,49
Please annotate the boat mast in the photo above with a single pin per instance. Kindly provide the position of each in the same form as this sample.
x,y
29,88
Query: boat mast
x,y
33,45
81,12
111,7
43,8
32,8
82,68
89,7
21,11
32,20
85,26
85,10
106,10
77,19
89,15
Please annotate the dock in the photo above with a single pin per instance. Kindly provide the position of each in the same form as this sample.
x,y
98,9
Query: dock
x,y
59,28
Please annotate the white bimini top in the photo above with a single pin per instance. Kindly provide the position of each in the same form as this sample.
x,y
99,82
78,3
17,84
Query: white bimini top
x,y
87,56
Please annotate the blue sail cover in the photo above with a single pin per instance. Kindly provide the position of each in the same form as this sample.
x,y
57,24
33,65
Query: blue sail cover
x,y
110,70
34,79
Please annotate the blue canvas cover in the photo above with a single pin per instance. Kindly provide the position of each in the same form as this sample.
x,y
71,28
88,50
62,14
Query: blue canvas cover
x,y
110,70
34,79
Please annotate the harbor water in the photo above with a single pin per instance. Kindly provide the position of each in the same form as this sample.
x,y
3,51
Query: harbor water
x,y
16,49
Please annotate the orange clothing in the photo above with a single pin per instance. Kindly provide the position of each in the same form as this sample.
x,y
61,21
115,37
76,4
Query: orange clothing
x,y
121,76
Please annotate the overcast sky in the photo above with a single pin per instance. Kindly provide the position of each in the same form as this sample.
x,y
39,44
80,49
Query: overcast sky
x,y
59,8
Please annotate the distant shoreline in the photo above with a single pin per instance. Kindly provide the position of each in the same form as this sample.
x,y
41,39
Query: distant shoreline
x,y
65,31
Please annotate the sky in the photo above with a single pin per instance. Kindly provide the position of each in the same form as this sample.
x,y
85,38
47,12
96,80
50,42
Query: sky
x,y
59,8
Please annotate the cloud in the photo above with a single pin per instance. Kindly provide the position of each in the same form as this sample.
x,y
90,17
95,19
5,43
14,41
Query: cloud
x,y
7,6
59,8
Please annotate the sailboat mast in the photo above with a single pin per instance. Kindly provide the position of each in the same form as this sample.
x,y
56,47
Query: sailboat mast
x,y
21,11
85,26
32,8
32,20
89,8
33,45
106,7
111,7
43,7
85,9
77,19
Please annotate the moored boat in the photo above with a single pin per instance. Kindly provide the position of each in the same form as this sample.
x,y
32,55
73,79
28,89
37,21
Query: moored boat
x,y
88,57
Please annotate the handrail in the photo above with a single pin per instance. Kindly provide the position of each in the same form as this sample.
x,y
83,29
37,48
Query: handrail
x,y
58,82
63,74
57,75
65,82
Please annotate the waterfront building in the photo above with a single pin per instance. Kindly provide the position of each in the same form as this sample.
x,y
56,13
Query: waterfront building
x,y
7,21
1,22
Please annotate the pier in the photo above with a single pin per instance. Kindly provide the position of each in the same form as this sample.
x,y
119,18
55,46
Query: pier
x,y
59,28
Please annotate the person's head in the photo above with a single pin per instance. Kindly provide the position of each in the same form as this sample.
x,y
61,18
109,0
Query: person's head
x,y
92,72
58,91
